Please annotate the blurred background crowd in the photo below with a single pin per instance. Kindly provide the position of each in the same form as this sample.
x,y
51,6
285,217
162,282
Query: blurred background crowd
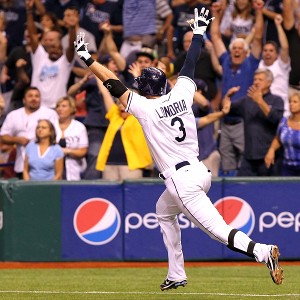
x,y
58,121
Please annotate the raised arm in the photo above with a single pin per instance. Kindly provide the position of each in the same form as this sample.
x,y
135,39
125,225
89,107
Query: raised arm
x,y
215,32
212,117
284,44
34,39
111,47
70,24
288,14
199,26
256,47
109,79
40,8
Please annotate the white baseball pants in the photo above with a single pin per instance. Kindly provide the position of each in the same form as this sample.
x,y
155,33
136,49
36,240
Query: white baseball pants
x,y
186,193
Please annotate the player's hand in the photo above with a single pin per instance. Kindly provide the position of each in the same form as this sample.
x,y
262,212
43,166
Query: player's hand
x,y
200,23
81,47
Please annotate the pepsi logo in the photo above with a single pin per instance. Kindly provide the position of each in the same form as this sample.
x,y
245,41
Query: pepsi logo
x,y
237,213
96,221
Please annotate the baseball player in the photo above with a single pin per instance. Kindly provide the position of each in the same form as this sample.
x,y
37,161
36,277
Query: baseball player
x,y
170,130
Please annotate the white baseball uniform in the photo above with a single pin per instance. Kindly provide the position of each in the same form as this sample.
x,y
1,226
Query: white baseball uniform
x,y
170,130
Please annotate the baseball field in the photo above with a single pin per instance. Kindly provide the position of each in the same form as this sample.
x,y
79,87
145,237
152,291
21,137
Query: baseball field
x,y
140,281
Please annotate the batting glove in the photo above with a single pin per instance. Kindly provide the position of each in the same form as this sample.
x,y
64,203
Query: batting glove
x,y
200,23
82,50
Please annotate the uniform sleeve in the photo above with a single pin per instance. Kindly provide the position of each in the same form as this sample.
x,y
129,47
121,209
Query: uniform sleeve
x,y
138,105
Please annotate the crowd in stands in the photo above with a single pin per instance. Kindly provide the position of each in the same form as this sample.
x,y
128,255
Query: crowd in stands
x,y
59,122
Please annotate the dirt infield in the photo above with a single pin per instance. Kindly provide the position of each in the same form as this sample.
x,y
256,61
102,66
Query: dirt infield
x,y
72,265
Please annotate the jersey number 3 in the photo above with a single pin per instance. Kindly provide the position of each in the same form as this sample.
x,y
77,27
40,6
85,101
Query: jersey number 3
x,y
181,128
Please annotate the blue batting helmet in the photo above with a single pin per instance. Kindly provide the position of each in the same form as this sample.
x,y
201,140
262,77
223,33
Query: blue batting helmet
x,y
152,82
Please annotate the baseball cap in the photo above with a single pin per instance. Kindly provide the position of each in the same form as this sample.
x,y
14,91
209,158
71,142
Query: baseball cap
x,y
145,51
104,59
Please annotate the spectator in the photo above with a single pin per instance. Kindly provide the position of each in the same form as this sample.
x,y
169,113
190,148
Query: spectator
x,y
145,57
49,22
58,7
18,70
242,20
138,25
208,150
71,135
94,13
164,38
291,25
19,125
206,67
182,11
51,67
288,136
95,121
15,19
124,151
277,60
238,70
7,152
261,112
44,158
71,18
6,84
271,9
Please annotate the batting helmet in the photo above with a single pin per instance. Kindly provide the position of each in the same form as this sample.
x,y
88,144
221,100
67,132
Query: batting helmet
x,y
152,82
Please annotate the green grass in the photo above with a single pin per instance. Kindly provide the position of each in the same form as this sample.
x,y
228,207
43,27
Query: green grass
x,y
143,284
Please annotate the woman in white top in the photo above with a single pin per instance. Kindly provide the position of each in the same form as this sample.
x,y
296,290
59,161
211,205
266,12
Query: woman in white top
x,y
72,137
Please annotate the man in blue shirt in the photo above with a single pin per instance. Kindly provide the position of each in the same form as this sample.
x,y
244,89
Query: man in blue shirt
x,y
238,70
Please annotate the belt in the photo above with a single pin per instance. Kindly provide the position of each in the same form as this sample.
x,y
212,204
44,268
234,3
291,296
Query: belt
x,y
167,173
232,122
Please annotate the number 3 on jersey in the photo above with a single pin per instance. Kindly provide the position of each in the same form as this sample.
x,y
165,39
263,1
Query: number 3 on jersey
x,y
181,128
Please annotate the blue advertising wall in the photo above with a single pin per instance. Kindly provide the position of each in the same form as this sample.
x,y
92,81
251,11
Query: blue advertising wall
x,y
268,211
105,221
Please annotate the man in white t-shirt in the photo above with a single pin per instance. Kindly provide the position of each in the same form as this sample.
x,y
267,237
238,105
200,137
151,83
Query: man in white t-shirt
x,y
169,127
279,63
19,125
51,66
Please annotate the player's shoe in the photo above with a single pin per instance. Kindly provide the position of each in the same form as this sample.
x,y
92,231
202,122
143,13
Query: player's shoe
x,y
168,284
276,271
